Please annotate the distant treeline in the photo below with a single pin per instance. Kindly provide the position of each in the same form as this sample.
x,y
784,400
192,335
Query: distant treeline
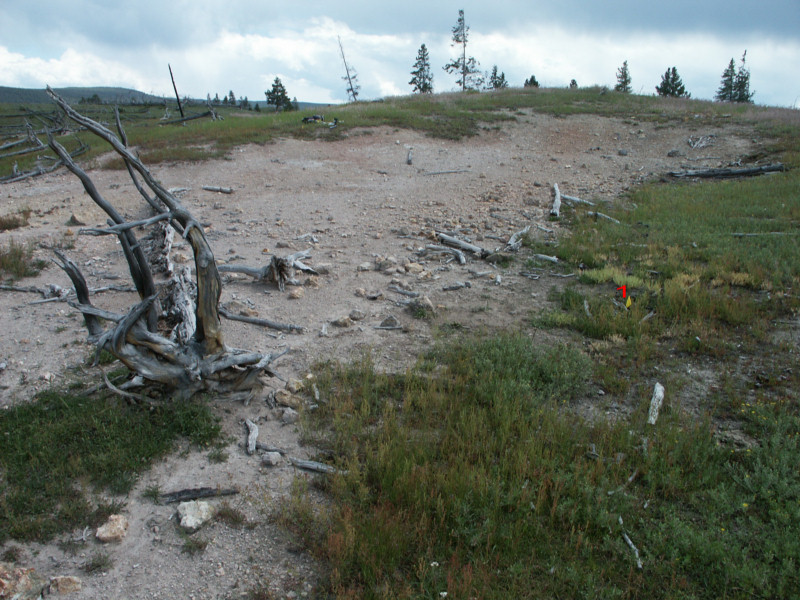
x,y
105,95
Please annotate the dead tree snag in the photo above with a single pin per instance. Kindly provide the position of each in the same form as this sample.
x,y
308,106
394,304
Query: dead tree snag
x,y
194,357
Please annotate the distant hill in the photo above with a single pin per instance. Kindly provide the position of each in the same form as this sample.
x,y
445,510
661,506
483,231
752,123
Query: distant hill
x,y
73,95
111,95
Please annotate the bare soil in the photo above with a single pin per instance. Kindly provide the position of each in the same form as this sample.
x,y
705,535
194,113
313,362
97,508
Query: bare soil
x,y
363,204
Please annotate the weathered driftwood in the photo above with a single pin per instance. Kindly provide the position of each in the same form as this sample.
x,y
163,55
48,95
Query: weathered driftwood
x,y
451,172
552,259
278,270
184,366
741,235
252,436
602,216
515,241
403,292
450,240
288,327
214,188
195,494
555,211
455,252
633,548
655,403
726,173
312,465
576,200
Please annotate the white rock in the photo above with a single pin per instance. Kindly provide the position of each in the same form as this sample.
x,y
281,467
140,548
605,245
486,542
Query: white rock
x,y
114,530
194,514
289,416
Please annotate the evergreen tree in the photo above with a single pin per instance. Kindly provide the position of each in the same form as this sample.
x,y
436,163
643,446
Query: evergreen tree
x,y
216,100
469,77
295,105
531,82
671,85
257,107
224,101
421,76
725,91
231,98
497,82
573,85
278,97
623,79
735,85
741,84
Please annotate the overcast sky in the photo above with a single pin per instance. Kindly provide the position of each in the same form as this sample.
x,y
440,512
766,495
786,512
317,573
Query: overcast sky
x,y
215,46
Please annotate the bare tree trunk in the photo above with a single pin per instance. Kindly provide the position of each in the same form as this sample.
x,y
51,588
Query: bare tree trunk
x,y
202,362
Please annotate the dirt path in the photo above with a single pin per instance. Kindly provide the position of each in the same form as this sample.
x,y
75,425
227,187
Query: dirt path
x,y
363,205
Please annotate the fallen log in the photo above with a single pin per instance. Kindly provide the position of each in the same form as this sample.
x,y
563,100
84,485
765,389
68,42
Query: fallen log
x,y
214,188
262,322
602,216
195,494
726,173
278,270
577,200
457,254
312,465
515,241
449,240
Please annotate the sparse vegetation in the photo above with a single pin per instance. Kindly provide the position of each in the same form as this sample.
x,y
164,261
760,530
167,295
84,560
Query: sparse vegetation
x,y
15,221
59,439
16,261
99,563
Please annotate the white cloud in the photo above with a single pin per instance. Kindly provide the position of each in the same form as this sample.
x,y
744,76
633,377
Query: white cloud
x,y
307,59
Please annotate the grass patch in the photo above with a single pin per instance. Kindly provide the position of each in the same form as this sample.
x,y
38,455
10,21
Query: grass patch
x,y
466,476
193,544
16,221
16,261
99,563
56,448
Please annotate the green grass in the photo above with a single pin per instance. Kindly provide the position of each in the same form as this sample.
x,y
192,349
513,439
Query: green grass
x,y
467,476
58,448
448,116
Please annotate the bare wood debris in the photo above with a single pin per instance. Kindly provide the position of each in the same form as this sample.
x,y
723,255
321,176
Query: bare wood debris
x,y
555,211
655,403
279,270
727,173
195,494
214,188
185,363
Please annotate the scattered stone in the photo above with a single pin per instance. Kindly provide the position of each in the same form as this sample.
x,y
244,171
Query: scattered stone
x,y
414,268
297,293
390,321
24,584
194,514
361,292
286,398
290,416
295,385
323,268
271,459
312,282
357,315
76,220
365,266
283,244
423,304
374,295
65,584
622,152
343,322
673,153
114,530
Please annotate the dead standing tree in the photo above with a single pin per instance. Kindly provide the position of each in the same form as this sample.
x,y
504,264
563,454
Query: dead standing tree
x,y
187,363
